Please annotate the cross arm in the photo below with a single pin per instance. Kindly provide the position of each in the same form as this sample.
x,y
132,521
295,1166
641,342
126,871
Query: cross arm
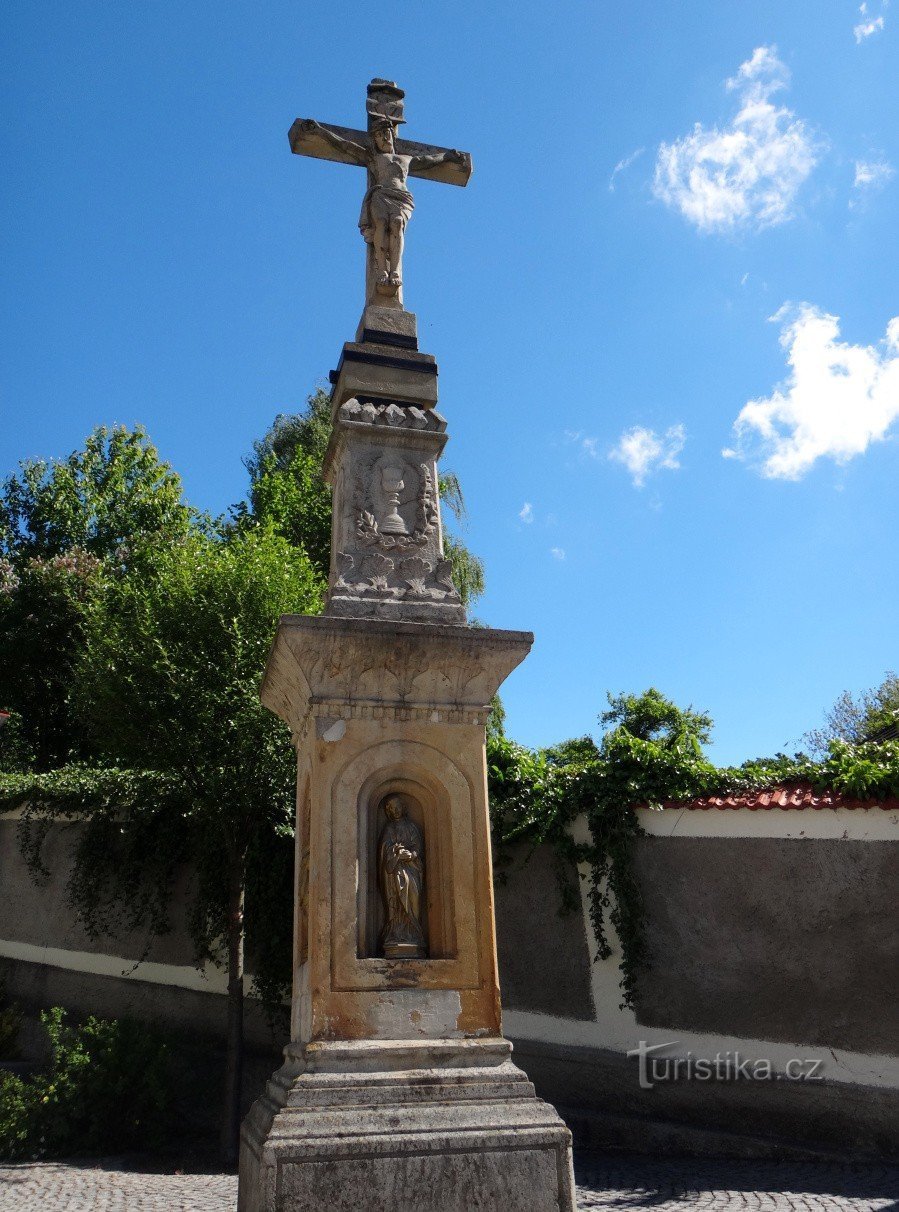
x,y
306,142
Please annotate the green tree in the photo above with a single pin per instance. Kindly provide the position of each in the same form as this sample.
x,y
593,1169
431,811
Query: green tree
x,y
287,490
170,681
188,767
44,603
871,715
104,500
66,527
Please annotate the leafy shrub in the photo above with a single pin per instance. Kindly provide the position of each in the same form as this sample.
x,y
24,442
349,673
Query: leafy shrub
x,y
107,1090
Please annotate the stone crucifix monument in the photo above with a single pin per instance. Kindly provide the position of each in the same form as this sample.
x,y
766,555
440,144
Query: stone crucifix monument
x,y
398,1090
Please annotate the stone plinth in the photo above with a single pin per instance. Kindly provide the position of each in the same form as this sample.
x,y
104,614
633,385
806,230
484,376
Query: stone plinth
x,y
424,1128
397,1090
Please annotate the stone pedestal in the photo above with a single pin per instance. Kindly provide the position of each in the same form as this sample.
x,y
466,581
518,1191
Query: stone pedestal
x,y
397,1091
411,1128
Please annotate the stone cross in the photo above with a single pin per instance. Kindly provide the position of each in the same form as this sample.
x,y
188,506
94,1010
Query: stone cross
x,y
397,1089
390,161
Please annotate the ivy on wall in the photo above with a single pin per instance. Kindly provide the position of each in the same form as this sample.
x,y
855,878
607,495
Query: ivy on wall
x,y
650,753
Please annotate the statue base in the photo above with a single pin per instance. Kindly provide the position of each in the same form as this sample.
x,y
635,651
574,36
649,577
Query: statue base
x,y
388,326
431,1126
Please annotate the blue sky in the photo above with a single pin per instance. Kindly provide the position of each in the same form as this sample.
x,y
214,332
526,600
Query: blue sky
x,y
653,183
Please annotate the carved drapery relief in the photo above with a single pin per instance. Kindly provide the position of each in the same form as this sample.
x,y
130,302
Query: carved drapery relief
x,y
401,876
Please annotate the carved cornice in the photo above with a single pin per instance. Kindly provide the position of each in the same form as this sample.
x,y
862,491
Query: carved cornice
x,y
359,668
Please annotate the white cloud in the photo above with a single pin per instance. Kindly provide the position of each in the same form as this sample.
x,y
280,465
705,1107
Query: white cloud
x,y
836,401
868,25
558,553
872,174
588,445
748,173
643,451
623,165
526,513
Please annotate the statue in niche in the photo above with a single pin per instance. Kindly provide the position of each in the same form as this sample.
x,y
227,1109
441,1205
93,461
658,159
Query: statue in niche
x,y
401,875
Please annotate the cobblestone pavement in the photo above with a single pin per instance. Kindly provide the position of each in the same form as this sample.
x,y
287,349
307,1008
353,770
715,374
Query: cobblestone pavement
x,y
663,1184
620,1183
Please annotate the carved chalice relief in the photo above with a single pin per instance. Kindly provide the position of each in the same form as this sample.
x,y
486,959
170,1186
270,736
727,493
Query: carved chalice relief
x,y
392,484
401,875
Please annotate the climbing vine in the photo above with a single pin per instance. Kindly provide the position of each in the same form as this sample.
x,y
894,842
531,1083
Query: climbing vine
x,y
650,753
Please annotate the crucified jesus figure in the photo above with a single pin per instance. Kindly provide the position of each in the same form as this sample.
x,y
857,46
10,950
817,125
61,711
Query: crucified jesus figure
x,y
388,204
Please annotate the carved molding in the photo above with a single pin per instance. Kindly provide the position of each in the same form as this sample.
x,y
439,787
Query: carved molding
x,y
395,416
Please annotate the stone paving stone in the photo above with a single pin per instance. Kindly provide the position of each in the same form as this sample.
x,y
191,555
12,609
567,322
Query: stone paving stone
x,y
714,1185
619,1183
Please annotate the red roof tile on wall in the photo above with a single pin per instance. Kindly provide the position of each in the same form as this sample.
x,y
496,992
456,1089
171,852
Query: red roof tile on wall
x,y
796,796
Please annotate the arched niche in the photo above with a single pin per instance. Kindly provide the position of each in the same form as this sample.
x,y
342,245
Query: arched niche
x,y
426,801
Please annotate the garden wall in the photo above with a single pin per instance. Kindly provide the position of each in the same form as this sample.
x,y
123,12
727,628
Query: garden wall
x,y
772,940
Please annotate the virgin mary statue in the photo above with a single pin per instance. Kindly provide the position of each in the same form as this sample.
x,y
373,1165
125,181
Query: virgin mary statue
x,y
401,874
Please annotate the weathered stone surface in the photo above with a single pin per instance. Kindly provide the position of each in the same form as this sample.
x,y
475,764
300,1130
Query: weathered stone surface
x,y
387,558
368,370
397,1090
408,672
398,709
441,1139
388,326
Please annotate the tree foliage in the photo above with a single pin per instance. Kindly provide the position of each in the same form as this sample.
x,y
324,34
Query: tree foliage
x,y
104,499
44,605
188,764
287,491
107,1088
66,527
857,718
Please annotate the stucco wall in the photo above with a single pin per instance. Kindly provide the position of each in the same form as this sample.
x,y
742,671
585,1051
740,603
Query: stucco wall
x,y
773,938
761,938
544,961
37,914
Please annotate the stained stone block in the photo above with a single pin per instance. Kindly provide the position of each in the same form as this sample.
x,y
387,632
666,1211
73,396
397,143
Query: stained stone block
x,y
388,326
440,1137
387,557
384,373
